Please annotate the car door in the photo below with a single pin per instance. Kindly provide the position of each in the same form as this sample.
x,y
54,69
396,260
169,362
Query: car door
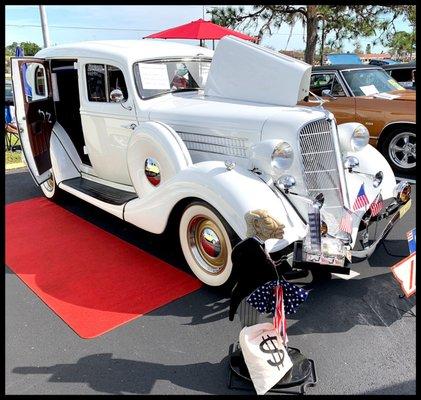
x,y
107,124
331,89
35,115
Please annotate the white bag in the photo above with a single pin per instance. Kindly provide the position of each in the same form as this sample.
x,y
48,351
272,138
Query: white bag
x,y
265,355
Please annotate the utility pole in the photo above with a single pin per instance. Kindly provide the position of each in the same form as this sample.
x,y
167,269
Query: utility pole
x,y
322,46
44,25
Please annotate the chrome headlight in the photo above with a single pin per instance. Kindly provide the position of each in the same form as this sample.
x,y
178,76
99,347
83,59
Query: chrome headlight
x,y
359,138
273,157
282,157
353,136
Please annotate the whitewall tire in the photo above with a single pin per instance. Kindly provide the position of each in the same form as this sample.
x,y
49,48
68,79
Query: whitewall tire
x,y
49,187
207,241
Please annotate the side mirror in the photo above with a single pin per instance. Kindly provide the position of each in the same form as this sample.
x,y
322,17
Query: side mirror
x,y
117,96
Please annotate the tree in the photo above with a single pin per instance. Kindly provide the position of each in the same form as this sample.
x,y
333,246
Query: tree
x,y
357,48
401,44
346,22
29,48
368,48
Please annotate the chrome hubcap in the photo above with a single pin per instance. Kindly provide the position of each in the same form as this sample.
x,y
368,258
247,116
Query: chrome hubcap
x,y
402,150
49,184
207,244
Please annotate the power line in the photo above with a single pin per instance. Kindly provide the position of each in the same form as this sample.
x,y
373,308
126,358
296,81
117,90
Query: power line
x,y
84,27
117,29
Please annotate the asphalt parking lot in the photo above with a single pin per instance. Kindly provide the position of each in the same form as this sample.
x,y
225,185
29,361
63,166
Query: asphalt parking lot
x,y
360,334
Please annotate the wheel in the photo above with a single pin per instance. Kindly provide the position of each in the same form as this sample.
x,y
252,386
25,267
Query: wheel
x,y
399,148
206,241
50,188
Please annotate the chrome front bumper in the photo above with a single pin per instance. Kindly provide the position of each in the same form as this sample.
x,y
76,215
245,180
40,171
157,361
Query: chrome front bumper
x,y
393,212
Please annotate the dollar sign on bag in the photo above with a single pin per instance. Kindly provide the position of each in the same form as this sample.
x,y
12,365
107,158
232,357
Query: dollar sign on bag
x,y
272,349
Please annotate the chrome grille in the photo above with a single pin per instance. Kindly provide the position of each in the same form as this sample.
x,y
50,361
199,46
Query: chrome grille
x,y
321,174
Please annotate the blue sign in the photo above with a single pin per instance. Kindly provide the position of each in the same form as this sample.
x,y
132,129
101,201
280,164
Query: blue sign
x,y
412,240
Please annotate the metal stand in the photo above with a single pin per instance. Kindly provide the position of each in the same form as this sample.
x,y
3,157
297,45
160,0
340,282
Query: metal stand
x,y
298,378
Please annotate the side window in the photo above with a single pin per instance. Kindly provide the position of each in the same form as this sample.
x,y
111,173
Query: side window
x,y
35,85
95,79
116,80
320,82
337,89
40,81
102,80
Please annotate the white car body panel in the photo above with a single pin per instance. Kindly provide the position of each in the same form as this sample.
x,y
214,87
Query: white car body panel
x,y
261,75
212,182
218,124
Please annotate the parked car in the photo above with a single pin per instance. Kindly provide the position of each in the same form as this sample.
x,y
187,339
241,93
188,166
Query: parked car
x,y
342,58
403,73
164,134
368,95
384,61
8,92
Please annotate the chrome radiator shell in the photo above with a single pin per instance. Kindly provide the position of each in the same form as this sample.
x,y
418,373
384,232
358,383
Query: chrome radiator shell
x,y
322,168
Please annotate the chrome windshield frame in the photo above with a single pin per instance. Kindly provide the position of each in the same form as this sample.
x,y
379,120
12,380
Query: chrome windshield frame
x,y
163,60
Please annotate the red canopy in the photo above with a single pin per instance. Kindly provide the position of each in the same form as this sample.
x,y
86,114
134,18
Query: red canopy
x,y
200,30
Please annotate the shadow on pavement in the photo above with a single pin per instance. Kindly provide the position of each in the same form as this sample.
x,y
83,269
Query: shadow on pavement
x,y
339,305
105,374
407,387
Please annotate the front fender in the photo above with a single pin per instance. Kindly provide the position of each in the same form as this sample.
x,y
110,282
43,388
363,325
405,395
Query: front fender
x,y
233,193
371,162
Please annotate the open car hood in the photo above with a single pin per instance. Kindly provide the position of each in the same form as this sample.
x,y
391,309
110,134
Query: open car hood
x,y
241,70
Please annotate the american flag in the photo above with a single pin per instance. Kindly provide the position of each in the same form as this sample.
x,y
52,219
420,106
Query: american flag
x,y
279,319
264,299
346,222
361,200
376,205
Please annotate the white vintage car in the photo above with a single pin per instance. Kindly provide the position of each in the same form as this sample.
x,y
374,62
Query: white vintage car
x,y
157,132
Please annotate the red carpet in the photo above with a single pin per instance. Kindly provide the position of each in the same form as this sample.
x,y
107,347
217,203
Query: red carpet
x,y
91,279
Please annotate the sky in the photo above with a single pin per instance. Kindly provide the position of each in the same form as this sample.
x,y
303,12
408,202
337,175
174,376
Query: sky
x,y
131,22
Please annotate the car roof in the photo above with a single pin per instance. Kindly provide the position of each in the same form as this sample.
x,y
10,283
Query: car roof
x,y
124,50
411,65
340,67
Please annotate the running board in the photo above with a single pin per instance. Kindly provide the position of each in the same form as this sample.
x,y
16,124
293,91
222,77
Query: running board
x,y
99,192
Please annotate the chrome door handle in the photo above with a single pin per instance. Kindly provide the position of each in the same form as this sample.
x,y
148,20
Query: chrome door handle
x,y
130,126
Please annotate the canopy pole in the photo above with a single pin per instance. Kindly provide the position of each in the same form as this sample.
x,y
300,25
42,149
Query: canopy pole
x,y
200,43
213,44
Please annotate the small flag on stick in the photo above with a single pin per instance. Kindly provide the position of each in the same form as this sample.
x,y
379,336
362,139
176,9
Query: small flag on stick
x,y
346,222
376,205
361,200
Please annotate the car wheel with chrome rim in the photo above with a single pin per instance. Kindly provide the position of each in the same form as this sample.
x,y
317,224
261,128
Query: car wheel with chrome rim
x,y
50,188
206,241
399,148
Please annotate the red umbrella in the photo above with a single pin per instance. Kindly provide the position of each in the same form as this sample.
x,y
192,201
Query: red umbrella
x,y
200,30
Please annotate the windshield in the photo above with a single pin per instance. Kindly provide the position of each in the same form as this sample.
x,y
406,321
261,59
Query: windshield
x,y
366,82
155,78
